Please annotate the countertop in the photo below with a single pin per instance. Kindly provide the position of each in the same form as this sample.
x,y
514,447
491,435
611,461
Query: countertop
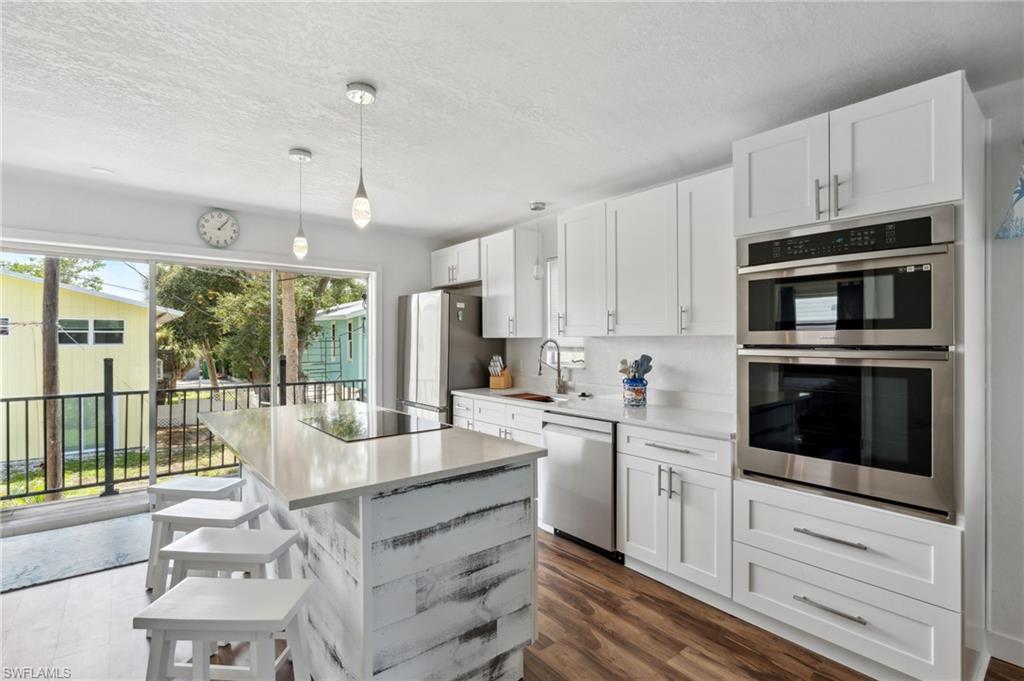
x,y
310,467
713,424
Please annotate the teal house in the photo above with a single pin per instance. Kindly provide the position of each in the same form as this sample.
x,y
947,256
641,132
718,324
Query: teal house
x,y
337,351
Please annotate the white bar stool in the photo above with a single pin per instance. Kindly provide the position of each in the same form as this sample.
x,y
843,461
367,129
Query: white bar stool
x,y
219,549
185,487
191,515
207,609
195,487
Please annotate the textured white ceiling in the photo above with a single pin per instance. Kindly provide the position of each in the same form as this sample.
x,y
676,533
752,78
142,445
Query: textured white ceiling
x,y
482,107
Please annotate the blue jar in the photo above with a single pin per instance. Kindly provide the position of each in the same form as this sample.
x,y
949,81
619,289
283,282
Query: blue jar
x,y
634,392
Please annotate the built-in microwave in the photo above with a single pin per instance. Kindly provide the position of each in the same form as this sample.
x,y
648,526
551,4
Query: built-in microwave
x,y
885,281
877,423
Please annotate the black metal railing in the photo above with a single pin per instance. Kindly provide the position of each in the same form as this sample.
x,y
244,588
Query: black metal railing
x,y
103,438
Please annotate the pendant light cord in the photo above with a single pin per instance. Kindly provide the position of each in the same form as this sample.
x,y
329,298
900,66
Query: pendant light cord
x,y
361,137
300,194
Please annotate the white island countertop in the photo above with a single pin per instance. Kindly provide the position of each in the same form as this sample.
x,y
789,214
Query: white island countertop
x,y
712,424
310,467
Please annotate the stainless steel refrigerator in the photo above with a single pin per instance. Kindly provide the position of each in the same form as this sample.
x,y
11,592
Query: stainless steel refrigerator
x,y
440,349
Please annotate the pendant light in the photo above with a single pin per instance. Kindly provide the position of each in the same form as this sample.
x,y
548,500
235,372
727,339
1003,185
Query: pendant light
x,y
362,94
300,247
538,269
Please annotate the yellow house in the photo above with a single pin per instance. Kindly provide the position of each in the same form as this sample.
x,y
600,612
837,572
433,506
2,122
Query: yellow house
x,y
93,325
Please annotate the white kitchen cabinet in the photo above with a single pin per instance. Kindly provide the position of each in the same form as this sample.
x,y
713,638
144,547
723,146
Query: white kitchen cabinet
x,y
916,638
899,150
643,267
707,255
676,519
512,298
781,177
462,422
582,260
642,513
699,524
458,264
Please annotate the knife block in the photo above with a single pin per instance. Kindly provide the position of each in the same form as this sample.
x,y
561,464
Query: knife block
x,y
502,380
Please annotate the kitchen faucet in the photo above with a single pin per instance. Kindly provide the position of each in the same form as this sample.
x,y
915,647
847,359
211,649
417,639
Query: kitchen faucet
x,y
561,387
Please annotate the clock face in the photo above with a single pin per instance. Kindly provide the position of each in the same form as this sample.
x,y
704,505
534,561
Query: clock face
x,y
218,228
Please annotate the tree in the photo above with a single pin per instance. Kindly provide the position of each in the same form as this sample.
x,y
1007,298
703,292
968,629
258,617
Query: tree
x,y
51,377
72,271
196,291
289,327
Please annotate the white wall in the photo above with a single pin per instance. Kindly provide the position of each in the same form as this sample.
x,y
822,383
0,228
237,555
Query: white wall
x,y
1003,105
49,210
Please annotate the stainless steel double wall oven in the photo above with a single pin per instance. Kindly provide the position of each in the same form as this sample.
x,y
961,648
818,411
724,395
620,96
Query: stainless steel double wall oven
x,y
846,375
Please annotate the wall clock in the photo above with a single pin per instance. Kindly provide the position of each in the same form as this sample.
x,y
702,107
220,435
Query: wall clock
x,y
218,228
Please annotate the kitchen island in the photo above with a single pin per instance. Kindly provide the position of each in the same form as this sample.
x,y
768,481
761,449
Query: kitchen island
x,y
422,545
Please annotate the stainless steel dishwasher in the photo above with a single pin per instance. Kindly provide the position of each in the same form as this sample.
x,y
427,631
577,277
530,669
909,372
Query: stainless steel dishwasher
x,y
577,480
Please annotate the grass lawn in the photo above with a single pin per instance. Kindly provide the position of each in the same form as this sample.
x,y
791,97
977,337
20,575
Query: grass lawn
x,y
130,464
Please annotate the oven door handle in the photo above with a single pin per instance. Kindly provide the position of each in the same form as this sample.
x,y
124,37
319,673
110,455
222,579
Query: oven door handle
x,y
926,355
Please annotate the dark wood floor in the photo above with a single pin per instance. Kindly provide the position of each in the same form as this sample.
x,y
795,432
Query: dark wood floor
x,y
599,620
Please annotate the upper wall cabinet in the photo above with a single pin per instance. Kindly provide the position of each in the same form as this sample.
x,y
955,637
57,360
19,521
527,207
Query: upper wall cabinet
x,y
512,298
781,177
900,150
660,262
582,255
707,255
643,264
456,264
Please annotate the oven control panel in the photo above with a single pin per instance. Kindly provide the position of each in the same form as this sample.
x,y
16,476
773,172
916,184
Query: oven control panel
x,y
862,239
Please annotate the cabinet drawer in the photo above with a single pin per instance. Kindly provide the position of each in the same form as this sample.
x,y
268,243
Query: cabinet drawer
x,y
524,418
910,556
903,633
678,449
491,412
462,406
462,422
527,437
488,429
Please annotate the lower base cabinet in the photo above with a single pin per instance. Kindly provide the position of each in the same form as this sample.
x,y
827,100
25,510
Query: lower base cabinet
x,y
676,519
911,636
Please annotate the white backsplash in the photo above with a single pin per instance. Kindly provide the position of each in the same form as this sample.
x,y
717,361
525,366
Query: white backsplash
x,y
698,372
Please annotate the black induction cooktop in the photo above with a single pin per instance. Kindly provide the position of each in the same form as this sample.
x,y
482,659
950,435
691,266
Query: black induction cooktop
x,y
360,422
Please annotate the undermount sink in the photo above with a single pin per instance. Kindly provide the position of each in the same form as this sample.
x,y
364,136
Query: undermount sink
x,y
532,397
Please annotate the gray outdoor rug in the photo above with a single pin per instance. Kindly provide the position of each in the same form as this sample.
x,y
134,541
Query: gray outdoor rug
x,y
40,557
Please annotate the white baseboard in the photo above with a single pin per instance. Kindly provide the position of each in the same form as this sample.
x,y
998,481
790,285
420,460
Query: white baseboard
x,y
813,643
1007,648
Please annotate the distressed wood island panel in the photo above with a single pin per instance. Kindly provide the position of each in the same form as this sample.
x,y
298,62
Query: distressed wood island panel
x,y
426,581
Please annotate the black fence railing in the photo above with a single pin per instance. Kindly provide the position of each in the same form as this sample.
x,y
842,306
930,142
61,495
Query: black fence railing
x,y
103,438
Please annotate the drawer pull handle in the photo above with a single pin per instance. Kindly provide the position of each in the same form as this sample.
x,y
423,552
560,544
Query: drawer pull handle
x,y
820,606
670,488
836,540
660,490
658,445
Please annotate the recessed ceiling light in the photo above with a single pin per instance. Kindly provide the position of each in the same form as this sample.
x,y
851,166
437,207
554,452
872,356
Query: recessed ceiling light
x,y
102,171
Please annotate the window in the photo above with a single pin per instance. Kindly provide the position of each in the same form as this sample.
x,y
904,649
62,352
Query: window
x,y
334,340
572,347
351,342
73,331
96,332
107,331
